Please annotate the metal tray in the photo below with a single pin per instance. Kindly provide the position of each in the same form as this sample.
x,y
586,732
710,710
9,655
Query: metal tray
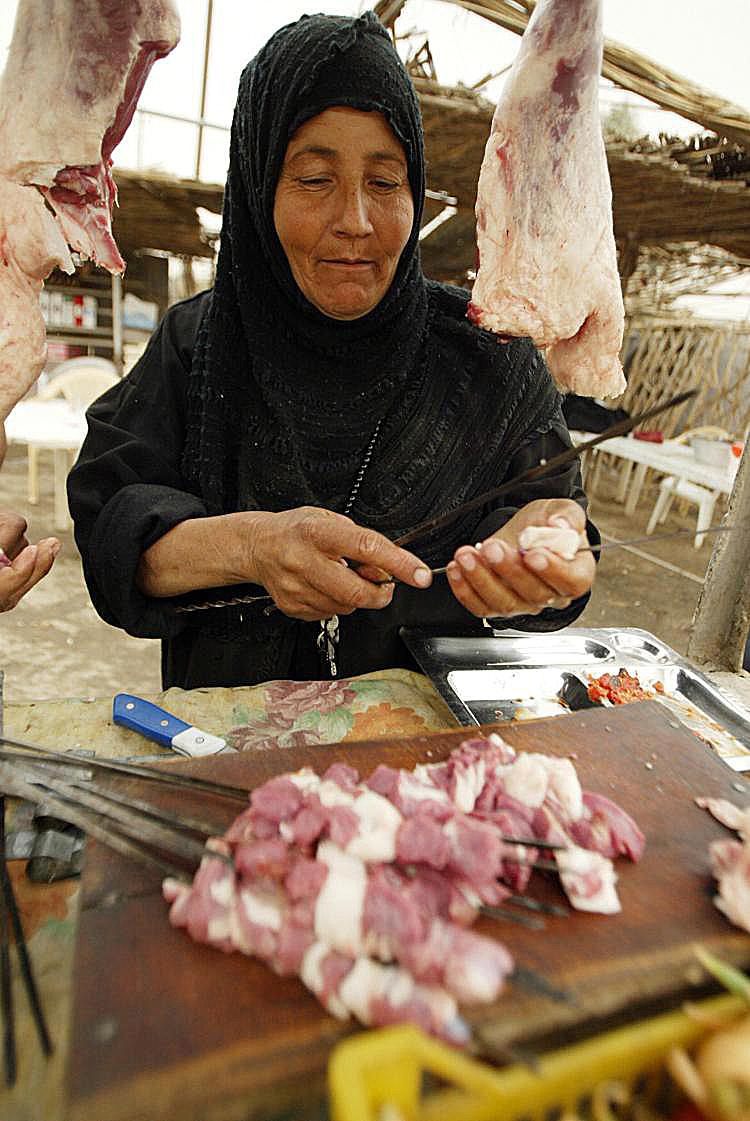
x,y
513,675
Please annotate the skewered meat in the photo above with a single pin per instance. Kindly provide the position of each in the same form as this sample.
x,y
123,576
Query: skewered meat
x,y
373,910
74,73
329,872
730,860
303,808
546,249
217,909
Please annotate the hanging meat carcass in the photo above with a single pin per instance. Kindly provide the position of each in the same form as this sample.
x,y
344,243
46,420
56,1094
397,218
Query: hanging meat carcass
x,y
547,258
71,83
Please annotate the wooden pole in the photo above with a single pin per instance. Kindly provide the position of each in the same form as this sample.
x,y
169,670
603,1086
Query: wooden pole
x,y
628,261
204,84
722,617
388,11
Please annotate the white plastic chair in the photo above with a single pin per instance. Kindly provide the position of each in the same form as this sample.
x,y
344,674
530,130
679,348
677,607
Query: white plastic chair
x,y
670,488
79,381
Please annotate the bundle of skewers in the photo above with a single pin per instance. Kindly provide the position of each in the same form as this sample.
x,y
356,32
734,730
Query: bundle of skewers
x,y
365,890
10,922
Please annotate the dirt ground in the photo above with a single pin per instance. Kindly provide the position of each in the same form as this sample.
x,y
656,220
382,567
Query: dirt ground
x,y
54,645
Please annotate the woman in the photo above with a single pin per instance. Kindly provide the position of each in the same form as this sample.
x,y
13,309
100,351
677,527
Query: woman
x,y
283,429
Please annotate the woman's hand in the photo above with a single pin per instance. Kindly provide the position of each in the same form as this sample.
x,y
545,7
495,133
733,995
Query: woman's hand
x,y
302,557
21,565
499,579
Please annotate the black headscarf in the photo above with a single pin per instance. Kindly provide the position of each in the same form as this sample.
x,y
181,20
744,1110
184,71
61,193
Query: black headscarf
x,y
291,394
283,400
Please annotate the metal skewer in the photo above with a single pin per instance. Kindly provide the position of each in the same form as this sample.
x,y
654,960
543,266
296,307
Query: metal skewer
x,y
88,807
631,540
6,986
133,770
544,468
620,429
21,948
177,821
11,782
537,905
660,537
547,845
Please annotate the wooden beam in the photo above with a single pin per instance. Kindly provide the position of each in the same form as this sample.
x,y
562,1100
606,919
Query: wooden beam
x,y
628,261
388,11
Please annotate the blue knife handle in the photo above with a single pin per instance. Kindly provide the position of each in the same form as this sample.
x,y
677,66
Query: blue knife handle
x,y
146,718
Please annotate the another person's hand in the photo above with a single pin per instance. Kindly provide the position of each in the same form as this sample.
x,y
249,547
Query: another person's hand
x,y
500,579
301,557
21,565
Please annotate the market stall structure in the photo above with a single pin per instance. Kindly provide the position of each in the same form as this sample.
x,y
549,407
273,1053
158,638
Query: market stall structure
x,y
409,705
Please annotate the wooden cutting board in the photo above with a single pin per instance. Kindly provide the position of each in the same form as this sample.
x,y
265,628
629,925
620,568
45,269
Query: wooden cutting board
x,y
166,1029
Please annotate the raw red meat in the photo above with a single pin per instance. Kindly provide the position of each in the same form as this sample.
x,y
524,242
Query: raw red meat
x,y
546,247
74,73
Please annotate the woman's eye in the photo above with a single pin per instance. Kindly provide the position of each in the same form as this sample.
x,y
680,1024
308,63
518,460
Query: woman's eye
x,y
314,181
385,184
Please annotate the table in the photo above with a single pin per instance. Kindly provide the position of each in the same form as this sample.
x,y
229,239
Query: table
x,y
387,703
671,458
48,425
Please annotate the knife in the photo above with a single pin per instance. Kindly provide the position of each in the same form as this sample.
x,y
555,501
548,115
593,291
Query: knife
x,y
163,727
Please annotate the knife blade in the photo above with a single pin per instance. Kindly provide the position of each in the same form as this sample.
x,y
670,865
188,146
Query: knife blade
x,y
165,728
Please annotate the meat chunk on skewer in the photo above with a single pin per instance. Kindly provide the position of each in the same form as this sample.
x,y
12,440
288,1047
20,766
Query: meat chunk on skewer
x,y
365,890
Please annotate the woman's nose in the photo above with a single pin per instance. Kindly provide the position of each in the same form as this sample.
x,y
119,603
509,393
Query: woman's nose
x,y
353,218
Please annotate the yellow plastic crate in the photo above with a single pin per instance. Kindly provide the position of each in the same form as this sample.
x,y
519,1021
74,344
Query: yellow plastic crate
x,y
377,1069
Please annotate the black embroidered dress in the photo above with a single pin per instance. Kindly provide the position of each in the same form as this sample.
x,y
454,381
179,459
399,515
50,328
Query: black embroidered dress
x,y
249,398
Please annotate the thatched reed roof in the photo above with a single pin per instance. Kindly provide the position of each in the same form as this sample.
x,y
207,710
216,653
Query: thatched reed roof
x,y
159,212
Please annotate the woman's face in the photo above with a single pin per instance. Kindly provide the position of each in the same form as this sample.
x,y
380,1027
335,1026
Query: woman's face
x,y
343,210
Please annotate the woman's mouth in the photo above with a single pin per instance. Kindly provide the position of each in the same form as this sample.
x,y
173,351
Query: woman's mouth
x,y
348,263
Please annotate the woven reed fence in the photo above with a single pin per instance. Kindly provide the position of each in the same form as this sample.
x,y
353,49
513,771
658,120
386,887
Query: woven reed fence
x,y
664,357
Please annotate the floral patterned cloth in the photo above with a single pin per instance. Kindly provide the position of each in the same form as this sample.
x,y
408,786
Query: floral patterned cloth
x,y
275,715
297,713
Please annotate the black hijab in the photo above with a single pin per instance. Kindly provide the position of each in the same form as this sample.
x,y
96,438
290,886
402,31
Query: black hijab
x,y
283,400
306,390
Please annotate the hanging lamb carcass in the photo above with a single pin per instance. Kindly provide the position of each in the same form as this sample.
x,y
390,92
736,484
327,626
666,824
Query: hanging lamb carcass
x,y
547,259
74,73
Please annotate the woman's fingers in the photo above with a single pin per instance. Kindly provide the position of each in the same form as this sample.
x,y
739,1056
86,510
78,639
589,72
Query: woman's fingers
x,y
469,598
500,560
499,580
309,560
342,537
331,589
12,534
567,578
29,567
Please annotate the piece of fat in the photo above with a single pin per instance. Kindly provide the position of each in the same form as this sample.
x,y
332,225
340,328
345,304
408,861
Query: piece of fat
x,y
565,543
